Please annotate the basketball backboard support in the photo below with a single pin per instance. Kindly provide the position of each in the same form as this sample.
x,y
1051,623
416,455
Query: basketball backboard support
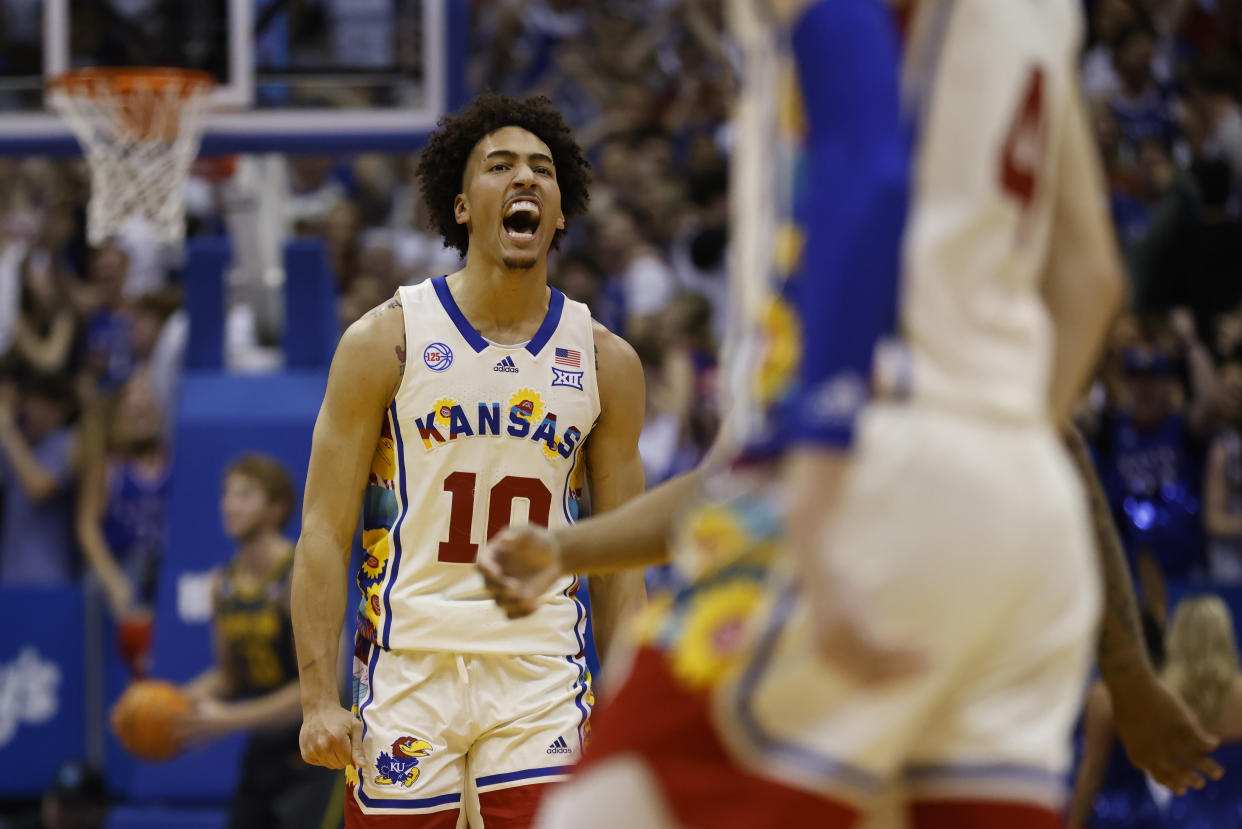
x,y
312,76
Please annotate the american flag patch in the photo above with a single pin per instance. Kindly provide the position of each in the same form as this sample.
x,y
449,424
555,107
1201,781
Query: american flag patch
x,y
568,357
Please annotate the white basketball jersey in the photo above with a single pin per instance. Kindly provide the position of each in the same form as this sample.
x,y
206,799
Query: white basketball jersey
x,y
479,436
988,84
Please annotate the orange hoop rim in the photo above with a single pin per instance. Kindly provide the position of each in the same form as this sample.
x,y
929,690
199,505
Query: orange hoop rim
x,y
125,80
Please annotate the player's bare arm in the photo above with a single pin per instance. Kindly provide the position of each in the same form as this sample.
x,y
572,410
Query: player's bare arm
x,y
365,372
215,715
1083,285
520,564
1083,288
88,520
615,474
1159,732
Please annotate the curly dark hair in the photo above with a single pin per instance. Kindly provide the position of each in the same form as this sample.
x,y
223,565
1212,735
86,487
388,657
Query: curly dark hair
x,y
442,162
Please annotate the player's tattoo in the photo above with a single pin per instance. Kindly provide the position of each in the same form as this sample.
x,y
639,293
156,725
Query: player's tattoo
x,y
400,349
1120,650
380,310
597,358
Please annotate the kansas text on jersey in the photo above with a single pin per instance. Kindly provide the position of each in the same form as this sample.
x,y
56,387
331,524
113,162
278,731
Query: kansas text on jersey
x,y
478,436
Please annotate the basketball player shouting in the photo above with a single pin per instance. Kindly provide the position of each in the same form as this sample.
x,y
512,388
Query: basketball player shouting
x,y
942,511
467,403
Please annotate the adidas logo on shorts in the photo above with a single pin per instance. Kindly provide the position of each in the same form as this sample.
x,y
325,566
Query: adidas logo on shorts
x,y
560,747
506,365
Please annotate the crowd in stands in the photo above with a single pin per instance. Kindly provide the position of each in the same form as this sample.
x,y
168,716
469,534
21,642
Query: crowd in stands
x,y
647,86
92,336
1162,81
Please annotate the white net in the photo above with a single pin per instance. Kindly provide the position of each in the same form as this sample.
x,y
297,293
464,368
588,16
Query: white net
x,y
140,132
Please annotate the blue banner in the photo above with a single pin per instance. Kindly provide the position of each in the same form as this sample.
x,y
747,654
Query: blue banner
x,y
42,687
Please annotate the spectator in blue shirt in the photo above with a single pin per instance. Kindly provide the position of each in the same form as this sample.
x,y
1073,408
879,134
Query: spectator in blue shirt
x,y
123,500
109,349
37,471
1140,106
1151,459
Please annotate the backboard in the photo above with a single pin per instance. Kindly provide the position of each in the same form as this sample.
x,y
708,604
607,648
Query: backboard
x,y
293,75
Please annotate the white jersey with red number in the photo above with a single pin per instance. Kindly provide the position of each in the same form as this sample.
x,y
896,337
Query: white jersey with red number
x,y
988,85
478,436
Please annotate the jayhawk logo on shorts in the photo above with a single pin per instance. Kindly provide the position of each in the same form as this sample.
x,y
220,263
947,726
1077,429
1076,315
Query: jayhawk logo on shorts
x,y
401,767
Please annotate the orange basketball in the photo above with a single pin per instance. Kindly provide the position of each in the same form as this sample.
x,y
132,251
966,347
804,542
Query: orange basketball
x,y
144,715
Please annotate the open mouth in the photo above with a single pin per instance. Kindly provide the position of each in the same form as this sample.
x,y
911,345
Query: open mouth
x,y
521,220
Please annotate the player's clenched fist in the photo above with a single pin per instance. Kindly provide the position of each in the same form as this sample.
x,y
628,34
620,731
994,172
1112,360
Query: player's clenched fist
x,y
519,564
332,737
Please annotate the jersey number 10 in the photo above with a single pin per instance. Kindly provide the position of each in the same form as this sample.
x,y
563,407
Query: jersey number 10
x,y
459,549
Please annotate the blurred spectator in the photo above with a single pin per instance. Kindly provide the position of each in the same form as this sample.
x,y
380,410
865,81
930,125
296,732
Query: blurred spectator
x,y
690,331
109,348
377,259
639,273
310,193
1151,454
122,500
669,376
12,259
364,293
418,252
1214,88
158,336
1202,668
37,470
1109,18
579,278
1222,485
700,252
1228,332
341,233
47,332
372,187
148,258
1161,202
1139,104
1203,263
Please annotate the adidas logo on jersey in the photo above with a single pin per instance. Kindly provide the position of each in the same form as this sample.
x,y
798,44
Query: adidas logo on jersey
x,y
560,747
506,365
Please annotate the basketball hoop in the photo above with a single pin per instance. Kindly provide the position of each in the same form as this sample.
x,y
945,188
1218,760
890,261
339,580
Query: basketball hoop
x,y
140,130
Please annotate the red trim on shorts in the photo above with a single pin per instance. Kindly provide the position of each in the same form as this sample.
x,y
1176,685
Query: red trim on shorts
x,y
511,808
355,818
654,717
981,814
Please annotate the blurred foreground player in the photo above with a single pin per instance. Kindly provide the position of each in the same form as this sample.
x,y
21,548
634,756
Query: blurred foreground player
x,y
253,687
511,396
922,493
